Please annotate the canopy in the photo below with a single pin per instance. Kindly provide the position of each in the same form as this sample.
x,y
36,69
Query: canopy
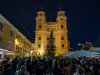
x,y
82,53
3,49
67,54
6,52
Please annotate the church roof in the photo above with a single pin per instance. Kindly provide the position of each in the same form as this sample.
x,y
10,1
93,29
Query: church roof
x,y
51,23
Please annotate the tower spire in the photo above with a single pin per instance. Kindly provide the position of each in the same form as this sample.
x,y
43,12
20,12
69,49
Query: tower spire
x,y
60,8
41,8
42,5
59,5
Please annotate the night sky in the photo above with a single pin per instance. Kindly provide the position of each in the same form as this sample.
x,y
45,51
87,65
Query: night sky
x,y
83,17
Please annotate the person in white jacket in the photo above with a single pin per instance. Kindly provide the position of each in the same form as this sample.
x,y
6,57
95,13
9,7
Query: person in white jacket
x,y
22,71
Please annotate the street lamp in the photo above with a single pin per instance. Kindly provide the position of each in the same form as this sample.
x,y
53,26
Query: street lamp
x,y
17,46
80,46
16,42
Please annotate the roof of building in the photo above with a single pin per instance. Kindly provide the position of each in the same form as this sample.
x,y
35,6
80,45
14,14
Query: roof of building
x,y
51,23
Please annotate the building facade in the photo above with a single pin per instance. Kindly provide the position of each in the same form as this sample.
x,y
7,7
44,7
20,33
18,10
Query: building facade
x,y
44,28
12,39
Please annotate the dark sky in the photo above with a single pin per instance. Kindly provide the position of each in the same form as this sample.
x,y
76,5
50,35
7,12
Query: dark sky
x,y
83,16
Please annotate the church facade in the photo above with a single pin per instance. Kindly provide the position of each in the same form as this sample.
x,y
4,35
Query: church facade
x,y
44,28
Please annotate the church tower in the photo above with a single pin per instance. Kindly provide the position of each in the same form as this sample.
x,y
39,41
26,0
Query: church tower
x,y
40,32
62,33
44,28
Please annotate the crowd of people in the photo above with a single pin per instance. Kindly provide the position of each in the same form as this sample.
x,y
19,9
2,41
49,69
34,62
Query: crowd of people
x,y
50,66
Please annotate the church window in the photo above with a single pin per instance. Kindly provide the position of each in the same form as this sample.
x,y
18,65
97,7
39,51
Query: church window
x,y
39,45
62,38
62,19
62,45
47,38
39,26
61,26
39,38
39,19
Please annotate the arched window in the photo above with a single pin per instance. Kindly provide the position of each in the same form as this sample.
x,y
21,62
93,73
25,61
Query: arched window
x,y
61,26
39,26
61,19
62,38
39,45
39,19
39,38
47,38
62,45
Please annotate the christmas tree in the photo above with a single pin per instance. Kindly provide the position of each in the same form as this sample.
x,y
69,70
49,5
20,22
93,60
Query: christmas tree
x,y
50,48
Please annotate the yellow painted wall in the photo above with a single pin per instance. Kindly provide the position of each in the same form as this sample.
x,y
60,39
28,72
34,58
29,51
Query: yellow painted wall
x,y
24,45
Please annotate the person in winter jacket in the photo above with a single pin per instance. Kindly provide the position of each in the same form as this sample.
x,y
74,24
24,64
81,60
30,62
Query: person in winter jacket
x,y
22,71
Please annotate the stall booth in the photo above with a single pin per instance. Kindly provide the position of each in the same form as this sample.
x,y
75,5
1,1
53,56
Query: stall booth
x,y
6,54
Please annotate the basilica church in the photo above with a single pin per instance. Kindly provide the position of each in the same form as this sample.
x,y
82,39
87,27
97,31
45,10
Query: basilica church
x,y
44,28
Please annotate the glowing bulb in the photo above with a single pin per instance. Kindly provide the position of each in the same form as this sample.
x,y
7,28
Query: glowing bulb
x,y
17,42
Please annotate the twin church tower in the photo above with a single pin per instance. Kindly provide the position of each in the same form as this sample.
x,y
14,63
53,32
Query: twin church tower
x,y
44,28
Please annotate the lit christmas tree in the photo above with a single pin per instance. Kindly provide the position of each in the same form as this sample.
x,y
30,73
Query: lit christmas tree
x,y
50,48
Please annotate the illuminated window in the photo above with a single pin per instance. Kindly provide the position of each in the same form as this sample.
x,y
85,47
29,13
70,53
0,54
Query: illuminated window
x,y
61,26
11,33
62,38
39,26
1,26
62,45
39,38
